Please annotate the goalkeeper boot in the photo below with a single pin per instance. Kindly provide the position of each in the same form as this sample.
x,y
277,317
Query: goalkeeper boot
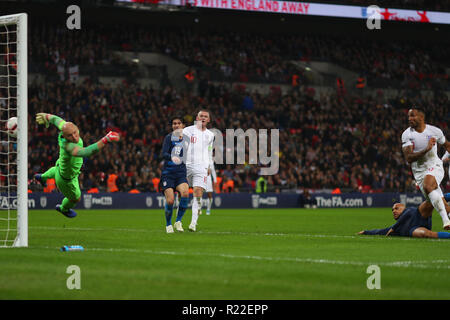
x,y
69,214
178,226
38,177
169,229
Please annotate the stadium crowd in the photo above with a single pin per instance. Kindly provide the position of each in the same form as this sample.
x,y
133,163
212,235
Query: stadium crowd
x,y
245,57
325,142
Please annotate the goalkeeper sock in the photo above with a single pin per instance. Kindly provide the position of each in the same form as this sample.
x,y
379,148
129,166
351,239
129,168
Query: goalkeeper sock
x,y
444,235
49,174
438,204
168,211
182,206
67,204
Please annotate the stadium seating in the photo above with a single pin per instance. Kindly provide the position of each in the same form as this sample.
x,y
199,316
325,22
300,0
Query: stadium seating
x,y
325,141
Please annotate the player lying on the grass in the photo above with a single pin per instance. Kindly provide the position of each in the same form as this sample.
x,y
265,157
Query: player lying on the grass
x,y
411,222
173,176
68,166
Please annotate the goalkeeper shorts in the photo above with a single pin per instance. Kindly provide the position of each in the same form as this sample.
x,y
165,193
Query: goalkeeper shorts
x,y
70,188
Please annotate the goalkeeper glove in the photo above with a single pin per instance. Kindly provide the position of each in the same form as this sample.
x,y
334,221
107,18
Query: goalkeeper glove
x,y
42,118
111,137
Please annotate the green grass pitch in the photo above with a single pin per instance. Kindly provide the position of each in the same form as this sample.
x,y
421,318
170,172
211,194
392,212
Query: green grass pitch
x,y
254,254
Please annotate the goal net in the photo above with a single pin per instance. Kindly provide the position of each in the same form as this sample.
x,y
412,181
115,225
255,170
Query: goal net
x,y
13,150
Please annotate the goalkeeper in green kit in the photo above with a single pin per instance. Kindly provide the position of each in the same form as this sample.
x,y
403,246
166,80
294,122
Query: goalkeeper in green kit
x,y
68,166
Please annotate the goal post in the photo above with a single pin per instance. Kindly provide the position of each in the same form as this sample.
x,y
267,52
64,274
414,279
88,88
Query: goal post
x,y
14,151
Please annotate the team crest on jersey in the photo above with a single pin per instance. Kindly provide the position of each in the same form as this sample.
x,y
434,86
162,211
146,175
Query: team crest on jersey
x,y
164,183
193,139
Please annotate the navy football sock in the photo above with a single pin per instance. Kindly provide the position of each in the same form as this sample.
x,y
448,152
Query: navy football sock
x,y
182,207
444,235
168,211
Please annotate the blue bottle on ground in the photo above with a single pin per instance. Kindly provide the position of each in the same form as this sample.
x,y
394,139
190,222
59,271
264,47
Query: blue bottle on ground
x,y
72,248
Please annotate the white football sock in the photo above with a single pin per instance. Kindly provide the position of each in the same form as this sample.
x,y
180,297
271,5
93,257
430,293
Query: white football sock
x,y
209,203
438,204
200,202
194,212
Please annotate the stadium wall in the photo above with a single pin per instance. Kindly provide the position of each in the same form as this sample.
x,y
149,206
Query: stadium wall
x,y
120,200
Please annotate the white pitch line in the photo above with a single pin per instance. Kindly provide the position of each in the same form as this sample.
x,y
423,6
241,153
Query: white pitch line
x,y
403,264
248,233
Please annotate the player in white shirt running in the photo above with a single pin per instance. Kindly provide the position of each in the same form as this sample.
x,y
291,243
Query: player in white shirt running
x,y
210,183
198,160
420,150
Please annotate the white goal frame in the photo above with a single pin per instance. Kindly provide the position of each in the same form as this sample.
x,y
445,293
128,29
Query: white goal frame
x,y
21,20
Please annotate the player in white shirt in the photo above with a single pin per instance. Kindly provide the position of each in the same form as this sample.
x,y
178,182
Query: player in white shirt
x,y
198,160
420,150
210,183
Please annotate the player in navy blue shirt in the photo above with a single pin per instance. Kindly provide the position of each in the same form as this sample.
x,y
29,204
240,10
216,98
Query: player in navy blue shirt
x,y
173,176
411,222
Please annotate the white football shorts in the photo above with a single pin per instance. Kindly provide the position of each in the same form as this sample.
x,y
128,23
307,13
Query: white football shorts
x,y
437,171
197,176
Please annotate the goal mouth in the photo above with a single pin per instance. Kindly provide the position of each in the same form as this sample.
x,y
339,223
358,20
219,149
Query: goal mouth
x,y
13,143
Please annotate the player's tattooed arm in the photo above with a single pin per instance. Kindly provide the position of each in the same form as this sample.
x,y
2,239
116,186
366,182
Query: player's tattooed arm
x,y
446,157
447,146
412,156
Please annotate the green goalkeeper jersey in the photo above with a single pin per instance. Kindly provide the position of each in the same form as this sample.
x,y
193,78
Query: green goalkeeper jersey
x,y
69,166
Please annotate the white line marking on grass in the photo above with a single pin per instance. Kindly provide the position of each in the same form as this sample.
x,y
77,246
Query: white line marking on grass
x,y
366,237
403,264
